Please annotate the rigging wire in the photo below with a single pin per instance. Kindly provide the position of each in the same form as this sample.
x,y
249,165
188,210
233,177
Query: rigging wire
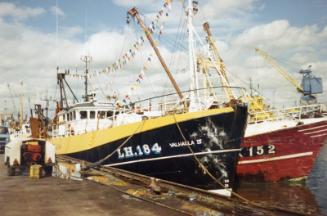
x,y
101,161
244,199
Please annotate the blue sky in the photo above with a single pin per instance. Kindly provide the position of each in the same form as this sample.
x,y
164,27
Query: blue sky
x,y
293,31
298,12
94,15
100,15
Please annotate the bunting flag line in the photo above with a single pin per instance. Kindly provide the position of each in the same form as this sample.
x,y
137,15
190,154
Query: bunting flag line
x,y
156,27
139,79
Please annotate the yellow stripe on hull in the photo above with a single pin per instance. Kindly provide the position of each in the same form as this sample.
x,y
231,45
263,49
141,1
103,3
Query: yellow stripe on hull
x,y
82,142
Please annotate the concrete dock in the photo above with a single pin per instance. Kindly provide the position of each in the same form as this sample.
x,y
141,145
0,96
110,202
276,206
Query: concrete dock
x,y
21,195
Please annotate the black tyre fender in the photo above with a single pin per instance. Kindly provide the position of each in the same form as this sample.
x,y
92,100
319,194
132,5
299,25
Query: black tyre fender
x,y
47,170
7,161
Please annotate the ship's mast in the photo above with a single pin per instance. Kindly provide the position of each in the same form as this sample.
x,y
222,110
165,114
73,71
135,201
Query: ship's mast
x,y
192,60
61,81
86,60
21,108
134,13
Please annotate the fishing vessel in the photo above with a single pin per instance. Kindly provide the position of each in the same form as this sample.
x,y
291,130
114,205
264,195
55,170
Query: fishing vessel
x,y
283,148
284,144
278,144
187,137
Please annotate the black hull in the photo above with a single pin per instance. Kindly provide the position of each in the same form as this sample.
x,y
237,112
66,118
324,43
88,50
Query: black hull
x,y
163,152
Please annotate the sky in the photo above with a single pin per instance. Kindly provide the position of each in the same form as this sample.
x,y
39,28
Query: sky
x,y
36,36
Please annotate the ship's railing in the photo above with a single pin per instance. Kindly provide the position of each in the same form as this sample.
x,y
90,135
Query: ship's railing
x,y
197,99
194,100
297,112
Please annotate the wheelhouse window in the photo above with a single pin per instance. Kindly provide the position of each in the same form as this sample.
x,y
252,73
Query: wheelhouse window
x,y
74,115
110,113
92,114
83,114
4,130
64,117
101,114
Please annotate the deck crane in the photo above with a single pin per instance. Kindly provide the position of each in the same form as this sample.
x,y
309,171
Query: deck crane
x,y
61,81
256,102
257,105
310,84
218,63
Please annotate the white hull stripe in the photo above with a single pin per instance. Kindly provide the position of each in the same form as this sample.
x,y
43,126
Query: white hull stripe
x,y
284,157
174,156
319,135
312,128
312,132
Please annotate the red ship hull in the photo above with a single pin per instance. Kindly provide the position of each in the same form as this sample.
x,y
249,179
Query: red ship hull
x,y
287,153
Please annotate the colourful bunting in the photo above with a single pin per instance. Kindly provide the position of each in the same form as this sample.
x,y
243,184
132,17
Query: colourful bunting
x,y
156,26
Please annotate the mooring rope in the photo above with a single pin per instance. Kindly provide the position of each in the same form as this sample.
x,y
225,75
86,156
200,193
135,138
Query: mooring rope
x,y
247,201
206,171
99,162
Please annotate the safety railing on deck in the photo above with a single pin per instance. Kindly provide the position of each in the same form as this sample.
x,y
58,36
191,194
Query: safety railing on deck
x,y
194,100
299,112
203,98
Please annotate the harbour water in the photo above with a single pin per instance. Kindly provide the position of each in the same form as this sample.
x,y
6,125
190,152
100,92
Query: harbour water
x,y
309,197
317,181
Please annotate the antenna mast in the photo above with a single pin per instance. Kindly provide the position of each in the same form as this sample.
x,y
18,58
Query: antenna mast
x,y
191,9
86,60
57,33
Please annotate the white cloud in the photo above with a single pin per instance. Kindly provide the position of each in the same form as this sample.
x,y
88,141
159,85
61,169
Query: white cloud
x,y
218,9
280,33
131,3
57,11
11,10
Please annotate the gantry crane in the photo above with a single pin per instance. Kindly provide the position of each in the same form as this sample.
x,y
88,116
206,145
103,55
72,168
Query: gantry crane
x,y
310,84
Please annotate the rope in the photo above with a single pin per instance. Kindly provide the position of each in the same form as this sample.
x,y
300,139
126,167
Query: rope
x,y
247,201
204,168
99,162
